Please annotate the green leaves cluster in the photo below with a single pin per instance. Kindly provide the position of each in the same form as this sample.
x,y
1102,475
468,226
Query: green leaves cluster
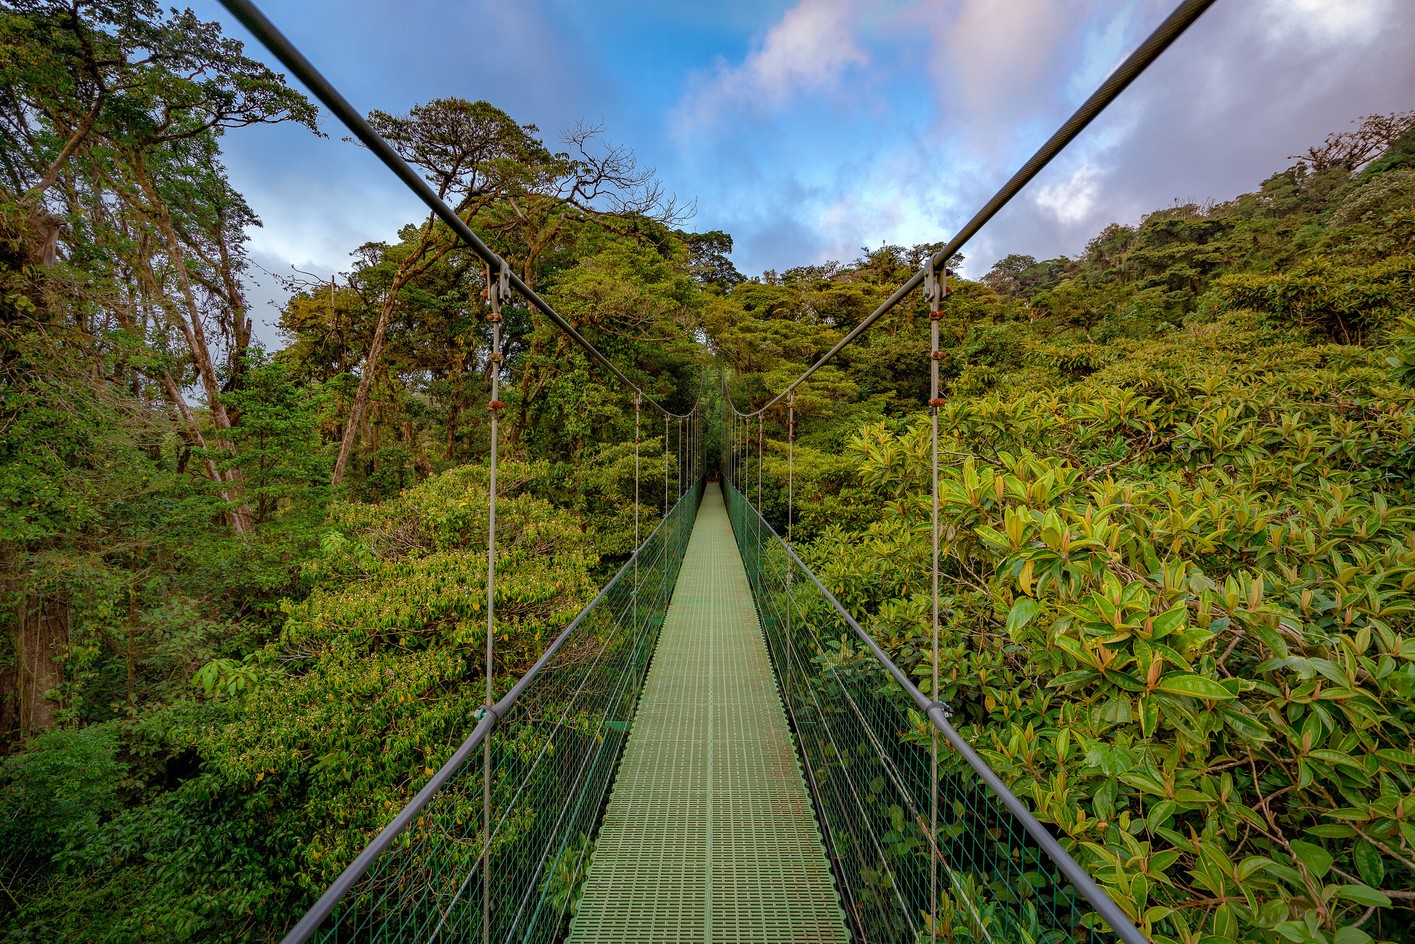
x,y
377,675
1176,502
1179,625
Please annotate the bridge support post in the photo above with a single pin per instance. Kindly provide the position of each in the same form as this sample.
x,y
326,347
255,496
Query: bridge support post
x,y
638,436
497,291
936,286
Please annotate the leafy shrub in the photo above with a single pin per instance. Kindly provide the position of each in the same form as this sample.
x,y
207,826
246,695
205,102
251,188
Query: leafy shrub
x,y
1180,625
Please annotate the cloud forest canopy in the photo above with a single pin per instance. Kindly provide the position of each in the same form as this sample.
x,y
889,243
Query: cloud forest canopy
x,y
237,630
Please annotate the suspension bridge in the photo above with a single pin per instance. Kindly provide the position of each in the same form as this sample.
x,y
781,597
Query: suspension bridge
x,y
714,749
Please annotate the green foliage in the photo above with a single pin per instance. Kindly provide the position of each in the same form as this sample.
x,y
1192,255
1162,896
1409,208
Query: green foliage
x,y
1205,591
61,787
1176,507
376,674
1177,501
1344,303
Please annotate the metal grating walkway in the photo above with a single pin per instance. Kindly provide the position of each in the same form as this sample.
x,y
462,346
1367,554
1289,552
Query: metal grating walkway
x,y
709,836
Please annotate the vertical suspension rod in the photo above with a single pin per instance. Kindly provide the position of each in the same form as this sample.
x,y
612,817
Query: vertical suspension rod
x,y
638,437
497,289
936,289
761,458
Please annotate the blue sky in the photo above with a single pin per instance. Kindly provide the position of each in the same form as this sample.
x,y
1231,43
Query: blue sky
x,y
812,129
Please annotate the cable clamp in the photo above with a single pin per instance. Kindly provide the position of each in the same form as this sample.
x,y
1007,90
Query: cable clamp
x,y
484,710
941,706
494,316
495,405
939,355
938,402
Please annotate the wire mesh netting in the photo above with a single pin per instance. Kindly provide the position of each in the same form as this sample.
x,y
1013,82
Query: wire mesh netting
x,y
866,742
552,756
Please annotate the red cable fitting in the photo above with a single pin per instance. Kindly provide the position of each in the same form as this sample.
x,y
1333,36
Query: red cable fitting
x,y
494,316
939,355
937,401
496,358
935,316
495,405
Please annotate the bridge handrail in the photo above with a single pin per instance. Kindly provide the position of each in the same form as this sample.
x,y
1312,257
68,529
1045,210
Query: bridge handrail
x,y
324,907
937,713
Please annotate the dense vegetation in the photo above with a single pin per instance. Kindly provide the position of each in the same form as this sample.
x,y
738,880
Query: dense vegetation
x,y
243,588
1178,502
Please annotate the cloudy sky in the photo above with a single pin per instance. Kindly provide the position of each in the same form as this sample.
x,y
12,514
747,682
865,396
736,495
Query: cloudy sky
x,y
809,130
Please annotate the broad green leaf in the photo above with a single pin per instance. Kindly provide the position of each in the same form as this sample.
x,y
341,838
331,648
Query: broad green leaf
x,y
1023,612
1316,859
1369,863
1363,895
1351,935
1195,686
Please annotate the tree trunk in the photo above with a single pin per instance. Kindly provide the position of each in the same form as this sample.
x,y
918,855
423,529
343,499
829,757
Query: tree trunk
x,y
9,708
195,335
240,321
35,195
41,643
356,412
415,264
191,427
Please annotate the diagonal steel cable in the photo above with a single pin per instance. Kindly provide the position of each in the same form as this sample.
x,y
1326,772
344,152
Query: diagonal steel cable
x,y
937,714
302,69
1184,16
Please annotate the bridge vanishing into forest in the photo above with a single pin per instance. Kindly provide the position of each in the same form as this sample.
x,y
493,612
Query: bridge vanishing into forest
x,y
714,749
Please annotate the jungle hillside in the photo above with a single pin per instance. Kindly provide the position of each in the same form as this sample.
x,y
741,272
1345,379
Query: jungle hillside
x,y
239,581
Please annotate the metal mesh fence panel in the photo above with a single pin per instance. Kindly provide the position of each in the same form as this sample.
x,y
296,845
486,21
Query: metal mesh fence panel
x,y
553,751
865,740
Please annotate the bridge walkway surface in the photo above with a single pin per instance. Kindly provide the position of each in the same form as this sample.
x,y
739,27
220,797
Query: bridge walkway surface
x,y
709,835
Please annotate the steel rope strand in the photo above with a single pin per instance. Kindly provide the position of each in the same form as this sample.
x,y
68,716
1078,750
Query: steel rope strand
x,y
790,507
1164,35
495,291
935,292
1103,905
309,924
761,457
891,771
260,26
638,417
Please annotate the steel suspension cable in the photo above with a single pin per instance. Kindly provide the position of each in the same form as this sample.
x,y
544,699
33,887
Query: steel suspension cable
x,y
761,457
496,290
269,36
1184,16
790,500
936,289
638,419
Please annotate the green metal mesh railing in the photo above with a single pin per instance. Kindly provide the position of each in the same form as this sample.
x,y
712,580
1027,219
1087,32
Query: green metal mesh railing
x,y
865,735
554,741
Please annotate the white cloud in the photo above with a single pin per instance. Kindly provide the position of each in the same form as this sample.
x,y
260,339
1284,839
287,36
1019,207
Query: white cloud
x,y
1070,201
1328,23
808,50
993,64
